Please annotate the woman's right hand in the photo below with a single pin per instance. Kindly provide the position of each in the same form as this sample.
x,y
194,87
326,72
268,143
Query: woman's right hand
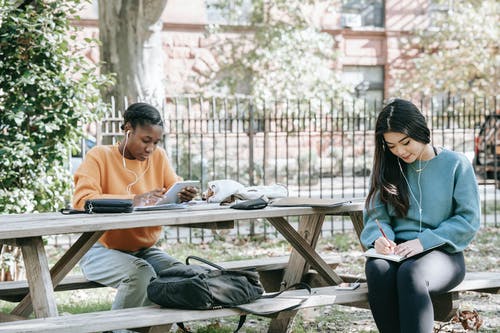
x,y
384,245
149,198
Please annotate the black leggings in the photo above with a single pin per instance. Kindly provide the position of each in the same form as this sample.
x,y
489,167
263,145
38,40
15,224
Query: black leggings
x,y
399,293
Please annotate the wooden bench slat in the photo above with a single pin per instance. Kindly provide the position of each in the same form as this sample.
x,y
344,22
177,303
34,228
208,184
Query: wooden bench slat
x,y
14,291
479,281
155,316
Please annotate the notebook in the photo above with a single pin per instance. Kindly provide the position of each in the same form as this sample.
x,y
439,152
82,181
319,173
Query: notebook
x,y
374,254
308,202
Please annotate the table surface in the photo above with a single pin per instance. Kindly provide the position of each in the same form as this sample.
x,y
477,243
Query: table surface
x,y
14,226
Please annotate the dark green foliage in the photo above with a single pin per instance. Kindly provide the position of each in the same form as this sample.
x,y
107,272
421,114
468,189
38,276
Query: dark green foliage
x,y
47,92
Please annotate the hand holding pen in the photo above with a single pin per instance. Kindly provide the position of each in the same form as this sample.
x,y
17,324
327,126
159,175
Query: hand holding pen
x,y
383,244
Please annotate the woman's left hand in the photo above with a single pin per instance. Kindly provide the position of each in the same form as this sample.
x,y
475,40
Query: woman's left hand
x,y
187,193
409,248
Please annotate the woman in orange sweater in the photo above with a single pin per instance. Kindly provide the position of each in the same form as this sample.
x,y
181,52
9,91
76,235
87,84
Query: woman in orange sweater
x,y
134,169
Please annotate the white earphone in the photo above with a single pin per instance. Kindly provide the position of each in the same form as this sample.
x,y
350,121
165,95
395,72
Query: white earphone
x,y
125,147
419,201
137,177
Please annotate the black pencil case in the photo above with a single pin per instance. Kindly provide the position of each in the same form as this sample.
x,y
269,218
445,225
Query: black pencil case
x,y
102,206
108,206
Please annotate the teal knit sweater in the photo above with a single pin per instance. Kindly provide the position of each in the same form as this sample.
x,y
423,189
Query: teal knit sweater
x,y
450,206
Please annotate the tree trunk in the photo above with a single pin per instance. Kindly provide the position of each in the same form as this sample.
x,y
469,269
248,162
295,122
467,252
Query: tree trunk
x,y
130,32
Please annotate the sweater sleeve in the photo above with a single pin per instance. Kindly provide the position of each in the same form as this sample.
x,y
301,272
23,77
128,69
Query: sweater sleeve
x,y
459,229
87,182
376,210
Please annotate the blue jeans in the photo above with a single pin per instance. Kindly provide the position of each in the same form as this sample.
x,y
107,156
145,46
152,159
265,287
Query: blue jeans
x,y
128,272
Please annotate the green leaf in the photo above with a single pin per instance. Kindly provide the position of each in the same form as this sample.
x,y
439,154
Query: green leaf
x,y
41,105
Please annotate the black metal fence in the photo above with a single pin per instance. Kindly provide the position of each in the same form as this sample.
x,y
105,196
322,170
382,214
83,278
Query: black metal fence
x,y
317,148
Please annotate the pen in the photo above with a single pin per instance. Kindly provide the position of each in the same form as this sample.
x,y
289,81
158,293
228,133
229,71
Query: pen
x,y
381,230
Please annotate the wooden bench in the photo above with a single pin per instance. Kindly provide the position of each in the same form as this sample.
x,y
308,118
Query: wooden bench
x,y
271,270
160,319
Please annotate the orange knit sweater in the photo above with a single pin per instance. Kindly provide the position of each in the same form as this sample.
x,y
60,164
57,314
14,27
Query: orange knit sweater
x,y
102,175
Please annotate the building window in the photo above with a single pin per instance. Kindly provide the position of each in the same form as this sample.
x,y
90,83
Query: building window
x,y
367,81
362,13
238,12
436,10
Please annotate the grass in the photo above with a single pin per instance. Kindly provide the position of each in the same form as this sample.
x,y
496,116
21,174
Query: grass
x,y
482,255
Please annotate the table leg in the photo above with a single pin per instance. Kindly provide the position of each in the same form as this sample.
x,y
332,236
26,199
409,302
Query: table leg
x,y
57,273
357,222
303,255
308,225
38,276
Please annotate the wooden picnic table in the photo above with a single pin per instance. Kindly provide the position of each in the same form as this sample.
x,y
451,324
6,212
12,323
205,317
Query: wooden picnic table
x,y
27,230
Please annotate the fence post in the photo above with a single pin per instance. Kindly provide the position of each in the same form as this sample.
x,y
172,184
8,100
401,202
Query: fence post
x,y
251,162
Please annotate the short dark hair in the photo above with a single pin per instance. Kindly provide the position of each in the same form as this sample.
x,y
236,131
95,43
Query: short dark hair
x,y
141,114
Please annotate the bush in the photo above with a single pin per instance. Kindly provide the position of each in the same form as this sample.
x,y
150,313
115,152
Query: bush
x,y
47,91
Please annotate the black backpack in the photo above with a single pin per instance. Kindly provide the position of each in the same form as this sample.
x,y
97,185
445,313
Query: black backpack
x,y
201,288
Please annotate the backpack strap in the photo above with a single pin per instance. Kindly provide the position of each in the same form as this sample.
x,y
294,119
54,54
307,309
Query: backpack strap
x,y
293,286
204,261
242,320
183,328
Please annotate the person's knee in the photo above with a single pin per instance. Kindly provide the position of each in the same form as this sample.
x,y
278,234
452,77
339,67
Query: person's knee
x,y
377,268
409,277
141,273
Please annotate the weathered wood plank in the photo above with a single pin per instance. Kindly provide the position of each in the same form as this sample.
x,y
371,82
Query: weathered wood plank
x,y
38,276
155,316
28,225
480,281
305,249
309,229
357,222
14,291
63,266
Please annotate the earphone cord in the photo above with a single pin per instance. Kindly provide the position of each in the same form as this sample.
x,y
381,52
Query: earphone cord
x,y
419,202
137,178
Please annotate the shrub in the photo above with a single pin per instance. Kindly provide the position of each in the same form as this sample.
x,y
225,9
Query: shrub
x,y
47,91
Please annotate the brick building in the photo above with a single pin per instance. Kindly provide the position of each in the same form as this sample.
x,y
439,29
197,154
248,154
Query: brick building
x,y
367,33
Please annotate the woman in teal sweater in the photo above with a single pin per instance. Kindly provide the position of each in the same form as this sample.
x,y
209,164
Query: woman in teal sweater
x,y
426,201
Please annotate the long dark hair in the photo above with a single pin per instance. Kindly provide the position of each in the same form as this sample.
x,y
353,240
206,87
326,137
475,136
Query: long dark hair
x,y
399,116
141,114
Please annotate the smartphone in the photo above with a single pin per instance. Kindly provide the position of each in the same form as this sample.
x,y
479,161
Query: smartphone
x,y
348,286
